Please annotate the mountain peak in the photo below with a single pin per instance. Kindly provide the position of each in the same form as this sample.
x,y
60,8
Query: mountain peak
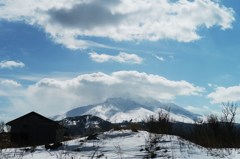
x,y
119,109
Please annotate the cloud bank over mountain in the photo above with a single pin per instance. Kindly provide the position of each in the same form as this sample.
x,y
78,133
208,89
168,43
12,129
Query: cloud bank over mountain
x,y
52,96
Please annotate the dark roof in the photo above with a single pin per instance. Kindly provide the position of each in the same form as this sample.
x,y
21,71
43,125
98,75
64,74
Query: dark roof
x,y
15,121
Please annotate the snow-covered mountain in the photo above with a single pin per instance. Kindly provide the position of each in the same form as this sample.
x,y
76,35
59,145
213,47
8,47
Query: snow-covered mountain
x,y
131,109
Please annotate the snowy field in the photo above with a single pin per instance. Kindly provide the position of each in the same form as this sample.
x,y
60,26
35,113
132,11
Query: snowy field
x,y
123,145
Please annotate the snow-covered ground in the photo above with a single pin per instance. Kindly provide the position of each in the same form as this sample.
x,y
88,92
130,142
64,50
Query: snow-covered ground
x,y
123,144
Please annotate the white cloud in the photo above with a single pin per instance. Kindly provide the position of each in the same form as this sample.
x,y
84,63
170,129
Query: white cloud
x,y
122,57
8,87
9,83
53,96
160,58
66,21
225,94
210,85
11,64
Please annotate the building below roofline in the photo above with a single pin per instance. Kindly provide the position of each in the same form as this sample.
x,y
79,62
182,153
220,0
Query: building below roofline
x,y
35,129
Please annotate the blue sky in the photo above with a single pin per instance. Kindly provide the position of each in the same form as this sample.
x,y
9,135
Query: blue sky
x,y
60,54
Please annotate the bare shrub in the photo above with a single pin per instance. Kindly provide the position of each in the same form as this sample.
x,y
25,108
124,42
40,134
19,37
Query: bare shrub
x,y
217,132
151,145
119,151
2,125
160,124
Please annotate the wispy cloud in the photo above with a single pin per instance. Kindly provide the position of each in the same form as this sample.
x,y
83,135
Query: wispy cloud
x,y
203,110
160,58
122,57
66,21
11,64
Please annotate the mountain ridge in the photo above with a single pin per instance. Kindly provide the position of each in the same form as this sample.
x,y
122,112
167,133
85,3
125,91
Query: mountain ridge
x,y
135,109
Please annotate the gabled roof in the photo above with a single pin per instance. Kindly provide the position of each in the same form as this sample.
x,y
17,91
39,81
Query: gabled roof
x,y
15,121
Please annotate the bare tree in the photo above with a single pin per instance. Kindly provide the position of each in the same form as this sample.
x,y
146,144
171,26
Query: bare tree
x,y
229,113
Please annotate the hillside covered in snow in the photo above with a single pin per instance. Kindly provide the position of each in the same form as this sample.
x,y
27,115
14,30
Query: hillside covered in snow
x,y
123,144
117,110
